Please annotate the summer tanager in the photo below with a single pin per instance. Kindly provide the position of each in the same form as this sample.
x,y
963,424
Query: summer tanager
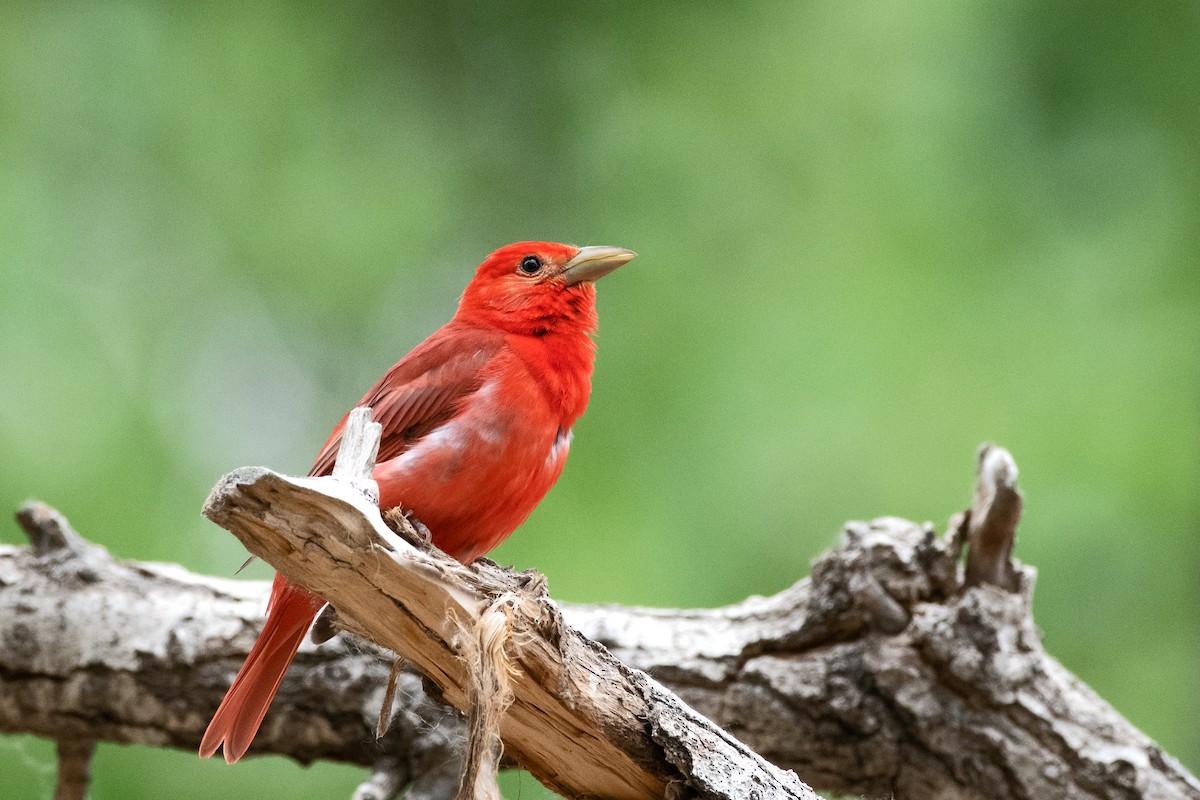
x,y
476,426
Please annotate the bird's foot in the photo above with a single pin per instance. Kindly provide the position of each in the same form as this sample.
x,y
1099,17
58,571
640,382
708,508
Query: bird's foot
x,y
409,528
327,625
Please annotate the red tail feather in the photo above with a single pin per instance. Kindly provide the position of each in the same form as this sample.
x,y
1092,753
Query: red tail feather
x,y
290,613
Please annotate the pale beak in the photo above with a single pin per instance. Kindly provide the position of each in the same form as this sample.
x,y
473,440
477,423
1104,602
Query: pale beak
x,y
593,263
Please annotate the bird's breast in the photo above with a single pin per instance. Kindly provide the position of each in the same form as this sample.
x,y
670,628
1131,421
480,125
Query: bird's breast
x,y
476,477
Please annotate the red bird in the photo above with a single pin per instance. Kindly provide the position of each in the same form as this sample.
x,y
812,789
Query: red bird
x,y
476,426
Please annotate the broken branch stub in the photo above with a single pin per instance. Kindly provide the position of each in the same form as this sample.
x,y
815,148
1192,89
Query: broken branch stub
x,y
357,451
992,522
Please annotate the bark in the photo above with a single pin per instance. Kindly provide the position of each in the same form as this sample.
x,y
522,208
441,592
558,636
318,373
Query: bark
x,y
881,673
963,702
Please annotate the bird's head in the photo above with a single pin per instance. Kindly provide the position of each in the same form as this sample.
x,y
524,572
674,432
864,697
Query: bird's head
x,y
539,287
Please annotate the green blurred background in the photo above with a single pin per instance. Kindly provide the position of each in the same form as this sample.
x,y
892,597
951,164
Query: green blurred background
x,y
872,235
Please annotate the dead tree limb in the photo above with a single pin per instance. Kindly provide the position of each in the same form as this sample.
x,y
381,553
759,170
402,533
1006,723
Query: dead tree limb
x,y
881,673
579,720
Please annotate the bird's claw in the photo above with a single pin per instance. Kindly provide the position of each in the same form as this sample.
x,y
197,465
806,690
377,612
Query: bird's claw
x,y
327,625
409,528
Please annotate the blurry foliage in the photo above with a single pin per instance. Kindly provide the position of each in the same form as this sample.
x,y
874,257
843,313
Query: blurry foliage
x,y
871,236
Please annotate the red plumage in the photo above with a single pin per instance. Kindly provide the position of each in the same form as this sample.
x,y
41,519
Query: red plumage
x,y
476,427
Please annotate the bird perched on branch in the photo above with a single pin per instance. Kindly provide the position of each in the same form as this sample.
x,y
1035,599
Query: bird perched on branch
x,y
476,426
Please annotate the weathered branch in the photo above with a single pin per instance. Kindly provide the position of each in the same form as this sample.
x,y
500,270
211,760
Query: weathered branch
x,y
579,720
961,702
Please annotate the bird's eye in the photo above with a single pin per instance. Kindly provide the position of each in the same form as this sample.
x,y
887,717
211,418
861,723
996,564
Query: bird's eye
x,y
530,265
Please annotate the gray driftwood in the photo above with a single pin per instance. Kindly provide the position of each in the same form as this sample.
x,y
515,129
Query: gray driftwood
x,y
881,673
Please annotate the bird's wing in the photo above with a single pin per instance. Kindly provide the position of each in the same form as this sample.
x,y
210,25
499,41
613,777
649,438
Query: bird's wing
x,y
423,390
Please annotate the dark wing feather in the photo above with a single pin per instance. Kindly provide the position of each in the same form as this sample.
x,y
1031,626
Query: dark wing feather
x,y
422,391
